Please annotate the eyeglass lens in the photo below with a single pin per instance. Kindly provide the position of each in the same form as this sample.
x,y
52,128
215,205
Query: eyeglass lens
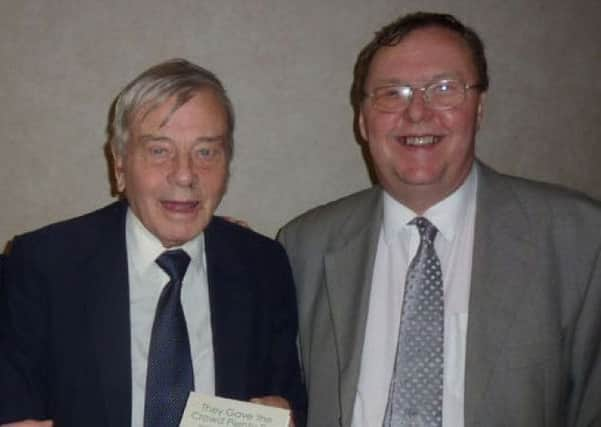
x,y
441,95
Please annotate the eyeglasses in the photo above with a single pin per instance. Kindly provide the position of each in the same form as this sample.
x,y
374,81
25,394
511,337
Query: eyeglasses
x,y
440,95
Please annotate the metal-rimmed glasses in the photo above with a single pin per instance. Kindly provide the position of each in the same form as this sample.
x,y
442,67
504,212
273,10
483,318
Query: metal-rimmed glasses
x,y
439,95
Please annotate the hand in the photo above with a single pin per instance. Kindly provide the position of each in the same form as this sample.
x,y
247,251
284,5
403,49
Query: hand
x,y
276,401
29,423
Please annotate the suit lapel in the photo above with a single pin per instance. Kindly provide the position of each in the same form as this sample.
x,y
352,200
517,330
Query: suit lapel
x,y
232,313
348,271
108,316
499,275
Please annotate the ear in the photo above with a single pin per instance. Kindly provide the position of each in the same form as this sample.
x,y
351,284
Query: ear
x,y
119,169
362,127
480,111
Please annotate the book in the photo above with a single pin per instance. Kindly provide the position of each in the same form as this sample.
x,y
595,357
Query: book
x,y
211,411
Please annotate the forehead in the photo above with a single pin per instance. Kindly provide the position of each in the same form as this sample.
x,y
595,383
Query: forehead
x,y
422,55
203,108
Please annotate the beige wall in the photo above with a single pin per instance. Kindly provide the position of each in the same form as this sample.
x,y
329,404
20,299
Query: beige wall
x,y
287,65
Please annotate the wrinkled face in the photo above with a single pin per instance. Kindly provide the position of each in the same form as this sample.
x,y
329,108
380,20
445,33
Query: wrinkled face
x,y
421,155
175,167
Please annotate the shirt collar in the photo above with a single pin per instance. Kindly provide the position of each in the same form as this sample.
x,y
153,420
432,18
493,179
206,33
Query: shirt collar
x,y
446,215
147,247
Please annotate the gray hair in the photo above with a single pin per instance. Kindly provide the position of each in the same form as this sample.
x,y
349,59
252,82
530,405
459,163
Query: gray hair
x,y
174,78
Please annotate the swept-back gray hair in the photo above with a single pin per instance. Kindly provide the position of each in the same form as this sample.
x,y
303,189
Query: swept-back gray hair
x,y
174,78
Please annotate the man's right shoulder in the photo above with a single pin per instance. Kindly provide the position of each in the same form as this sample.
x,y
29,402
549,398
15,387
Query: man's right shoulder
x,y
87,227
347,213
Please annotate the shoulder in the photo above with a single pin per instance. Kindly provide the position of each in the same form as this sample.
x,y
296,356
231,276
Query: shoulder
x,y
332,225
235,238
543,201
76,233
336,214
250,257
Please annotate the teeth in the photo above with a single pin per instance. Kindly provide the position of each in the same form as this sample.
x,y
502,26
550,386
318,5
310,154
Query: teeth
x,y
421,140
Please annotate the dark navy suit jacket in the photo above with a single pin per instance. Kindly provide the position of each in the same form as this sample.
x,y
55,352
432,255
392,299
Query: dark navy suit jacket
x,y
65,321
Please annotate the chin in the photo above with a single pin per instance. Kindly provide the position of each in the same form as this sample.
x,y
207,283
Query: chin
x,y
175,241
420,177
181,237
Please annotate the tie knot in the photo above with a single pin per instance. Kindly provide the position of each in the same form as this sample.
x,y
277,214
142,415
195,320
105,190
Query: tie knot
x,y
174,263
426,229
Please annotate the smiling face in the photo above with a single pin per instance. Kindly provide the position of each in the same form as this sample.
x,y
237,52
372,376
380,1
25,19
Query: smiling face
x,y
175,166
421,155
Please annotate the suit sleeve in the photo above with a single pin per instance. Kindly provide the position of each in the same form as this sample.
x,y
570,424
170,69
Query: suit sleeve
x,y
585,403
285,361
23,328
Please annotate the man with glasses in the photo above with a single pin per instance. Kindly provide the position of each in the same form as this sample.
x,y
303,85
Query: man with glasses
x,y
449,294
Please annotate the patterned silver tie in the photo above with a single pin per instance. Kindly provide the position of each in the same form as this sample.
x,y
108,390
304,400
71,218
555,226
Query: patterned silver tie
x,y
415,396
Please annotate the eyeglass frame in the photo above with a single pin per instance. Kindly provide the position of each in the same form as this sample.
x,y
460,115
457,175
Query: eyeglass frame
x,y
424,91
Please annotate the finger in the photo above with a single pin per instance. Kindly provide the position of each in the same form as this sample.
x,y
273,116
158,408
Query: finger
x,y
29,423
277,401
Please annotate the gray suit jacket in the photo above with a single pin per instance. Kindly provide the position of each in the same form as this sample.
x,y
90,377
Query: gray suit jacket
x,y
534,330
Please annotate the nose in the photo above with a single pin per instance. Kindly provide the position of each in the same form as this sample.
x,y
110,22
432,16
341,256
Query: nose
x,y
417,110
183,173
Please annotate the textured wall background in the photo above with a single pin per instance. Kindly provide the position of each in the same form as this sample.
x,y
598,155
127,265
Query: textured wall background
x,y
288,67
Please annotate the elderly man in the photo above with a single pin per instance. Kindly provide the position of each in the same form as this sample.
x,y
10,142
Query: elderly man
x,y
449,295
112,318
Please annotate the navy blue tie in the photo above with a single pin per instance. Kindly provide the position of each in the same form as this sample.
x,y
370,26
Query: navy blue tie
x,y
170,377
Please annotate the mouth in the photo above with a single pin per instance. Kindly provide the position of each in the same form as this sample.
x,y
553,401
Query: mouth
x,y
180,206
419,141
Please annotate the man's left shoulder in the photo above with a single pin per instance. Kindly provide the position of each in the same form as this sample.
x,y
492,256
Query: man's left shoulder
x,y
546,199
239,237
557,201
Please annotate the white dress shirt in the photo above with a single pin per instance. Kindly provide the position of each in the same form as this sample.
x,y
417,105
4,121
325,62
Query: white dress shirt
x,y
454,217
146,281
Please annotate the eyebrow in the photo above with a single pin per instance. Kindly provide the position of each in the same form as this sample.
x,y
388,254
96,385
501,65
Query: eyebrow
x,y
159,138
388,82
437,77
